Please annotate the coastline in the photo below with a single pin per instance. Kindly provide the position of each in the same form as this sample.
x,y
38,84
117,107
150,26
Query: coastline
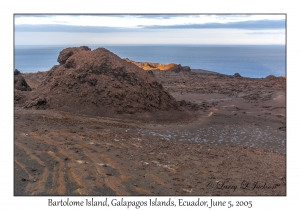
x,y
217,58
204,71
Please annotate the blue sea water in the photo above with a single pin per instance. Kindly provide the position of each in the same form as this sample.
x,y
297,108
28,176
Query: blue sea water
x,y
250,61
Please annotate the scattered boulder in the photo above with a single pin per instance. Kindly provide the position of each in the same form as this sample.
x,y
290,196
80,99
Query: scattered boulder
x,y
38,103
100,82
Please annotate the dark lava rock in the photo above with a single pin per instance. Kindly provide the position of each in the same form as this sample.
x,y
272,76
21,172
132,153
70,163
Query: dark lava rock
x,y
38,103
68,52
271,77
19,82
237,75
16,72
283,128
178,68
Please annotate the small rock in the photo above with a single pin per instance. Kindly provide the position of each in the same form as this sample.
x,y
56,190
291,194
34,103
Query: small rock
x,y
237,75
282,128
187,191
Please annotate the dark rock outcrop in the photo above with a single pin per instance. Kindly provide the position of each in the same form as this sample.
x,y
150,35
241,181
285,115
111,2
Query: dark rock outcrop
x,y
19,82
178,68
237,75
68,52
16,72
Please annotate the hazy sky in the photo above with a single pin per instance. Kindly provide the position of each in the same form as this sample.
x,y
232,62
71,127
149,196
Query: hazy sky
x,y
149,29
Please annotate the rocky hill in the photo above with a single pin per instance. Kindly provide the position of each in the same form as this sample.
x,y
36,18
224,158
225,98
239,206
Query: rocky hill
x,y
99,82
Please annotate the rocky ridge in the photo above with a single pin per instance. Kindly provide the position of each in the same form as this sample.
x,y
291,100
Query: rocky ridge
x,y
158,66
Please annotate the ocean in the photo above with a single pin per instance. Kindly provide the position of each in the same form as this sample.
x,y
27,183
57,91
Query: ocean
x,y
255,61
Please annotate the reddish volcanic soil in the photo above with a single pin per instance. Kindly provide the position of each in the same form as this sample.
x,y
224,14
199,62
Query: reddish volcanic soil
x,y
197,132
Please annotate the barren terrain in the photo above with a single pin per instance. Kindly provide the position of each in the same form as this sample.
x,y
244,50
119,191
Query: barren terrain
x,y
230,141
